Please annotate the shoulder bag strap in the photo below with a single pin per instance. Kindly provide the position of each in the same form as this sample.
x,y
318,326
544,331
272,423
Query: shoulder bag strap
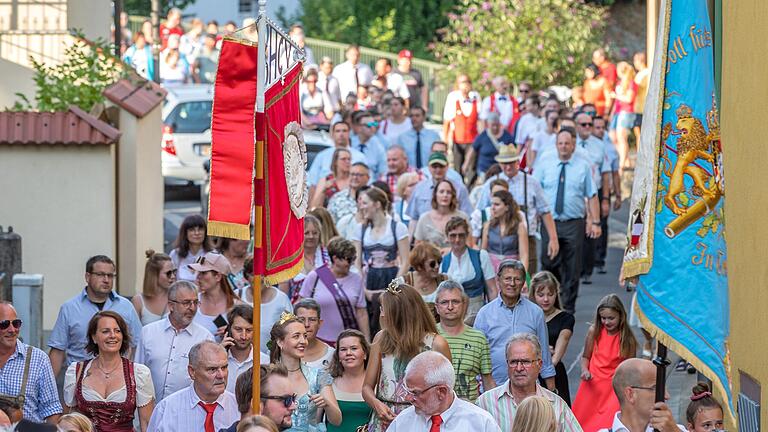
x,y
525,199
25,377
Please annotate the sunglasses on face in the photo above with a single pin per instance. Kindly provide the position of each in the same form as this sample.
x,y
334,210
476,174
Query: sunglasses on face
x,y
287,400
585,124
171,273
372,124
433,264
4,324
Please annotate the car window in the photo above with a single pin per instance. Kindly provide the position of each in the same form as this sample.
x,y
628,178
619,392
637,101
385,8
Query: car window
x,y
191,117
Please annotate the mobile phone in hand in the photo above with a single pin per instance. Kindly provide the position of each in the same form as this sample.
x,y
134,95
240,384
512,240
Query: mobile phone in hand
x,y
220,321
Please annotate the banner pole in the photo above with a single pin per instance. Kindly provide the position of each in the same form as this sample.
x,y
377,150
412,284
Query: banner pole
x,y
661,361
261,22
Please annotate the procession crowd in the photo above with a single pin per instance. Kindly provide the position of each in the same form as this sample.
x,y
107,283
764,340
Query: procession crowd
x,y
441,274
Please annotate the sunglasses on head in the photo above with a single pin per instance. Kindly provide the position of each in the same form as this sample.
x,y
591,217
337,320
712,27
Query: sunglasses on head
x,y
4,324
287,400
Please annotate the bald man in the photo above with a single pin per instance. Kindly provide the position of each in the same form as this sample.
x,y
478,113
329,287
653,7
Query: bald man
x,y
635,386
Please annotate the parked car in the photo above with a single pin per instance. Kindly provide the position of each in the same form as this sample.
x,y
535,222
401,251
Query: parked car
x,y
186,141
316,141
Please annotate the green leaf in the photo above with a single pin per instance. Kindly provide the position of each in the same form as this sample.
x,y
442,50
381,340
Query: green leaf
x,y
684,200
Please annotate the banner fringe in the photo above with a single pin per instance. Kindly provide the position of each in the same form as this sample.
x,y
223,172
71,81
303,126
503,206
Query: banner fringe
x,y
680,349
229,230
284,275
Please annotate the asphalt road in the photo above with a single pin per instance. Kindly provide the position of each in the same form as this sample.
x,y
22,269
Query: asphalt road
x,y
181,203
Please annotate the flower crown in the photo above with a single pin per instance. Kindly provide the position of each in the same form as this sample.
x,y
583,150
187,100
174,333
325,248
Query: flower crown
x,y
394,286
286,316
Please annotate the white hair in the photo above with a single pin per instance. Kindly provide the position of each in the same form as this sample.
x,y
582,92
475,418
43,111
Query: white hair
x,y
435,367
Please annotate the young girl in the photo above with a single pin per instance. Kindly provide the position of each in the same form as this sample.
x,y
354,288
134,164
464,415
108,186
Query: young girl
x,y
704,413
609,342
545,292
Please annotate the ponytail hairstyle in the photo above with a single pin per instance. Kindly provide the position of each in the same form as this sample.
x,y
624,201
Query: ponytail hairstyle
x,y
155,262
628,342
278,333
379,196
701,399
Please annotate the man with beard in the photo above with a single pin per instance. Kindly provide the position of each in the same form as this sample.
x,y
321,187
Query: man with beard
x,y
523,357
429,380
206,405
277,402
165,344
238,341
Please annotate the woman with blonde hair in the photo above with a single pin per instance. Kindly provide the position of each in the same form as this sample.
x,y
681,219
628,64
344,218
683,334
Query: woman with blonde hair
x,y
403,190
257,423
408,329
624,110
315,256
327,226
75,422
535,413
159,274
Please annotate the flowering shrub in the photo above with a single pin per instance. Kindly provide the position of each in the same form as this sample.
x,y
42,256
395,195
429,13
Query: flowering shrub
x,y
545,42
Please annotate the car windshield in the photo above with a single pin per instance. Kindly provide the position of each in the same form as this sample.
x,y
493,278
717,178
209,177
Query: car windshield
x,y
190,117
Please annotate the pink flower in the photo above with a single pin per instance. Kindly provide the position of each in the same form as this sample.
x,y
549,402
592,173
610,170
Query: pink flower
x,y
486,6
538,20
486,75
569,59
540,47
453,16
507,61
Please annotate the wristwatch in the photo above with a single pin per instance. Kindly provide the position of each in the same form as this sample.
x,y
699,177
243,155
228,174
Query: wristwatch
x,y
596,223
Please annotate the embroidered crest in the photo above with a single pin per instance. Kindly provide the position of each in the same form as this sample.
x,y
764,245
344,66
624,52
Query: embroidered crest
x,y
295,165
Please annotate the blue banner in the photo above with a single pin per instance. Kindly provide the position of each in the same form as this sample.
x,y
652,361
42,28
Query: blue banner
x,y
678,206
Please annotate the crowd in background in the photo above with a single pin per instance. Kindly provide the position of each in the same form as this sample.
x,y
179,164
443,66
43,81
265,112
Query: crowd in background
x,y
440,277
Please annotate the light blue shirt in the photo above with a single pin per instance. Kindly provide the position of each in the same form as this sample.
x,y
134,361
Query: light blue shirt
x,y
499,322
610,153
407,140
375,154
594,151
524,189
42,398
421,198
71,328
578,186
321,165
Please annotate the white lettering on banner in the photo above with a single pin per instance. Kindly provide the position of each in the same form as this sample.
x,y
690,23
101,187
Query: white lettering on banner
x,y
281,53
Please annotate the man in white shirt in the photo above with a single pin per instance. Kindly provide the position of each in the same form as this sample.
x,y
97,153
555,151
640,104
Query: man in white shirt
x,y
238,341
530,123
429,380
392,81
328,84
635,386
165,344
205,405
500,102
352,73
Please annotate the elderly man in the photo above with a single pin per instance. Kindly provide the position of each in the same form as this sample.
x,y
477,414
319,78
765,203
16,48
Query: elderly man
x,y
512,313
26,371
486,146
529,195
165,344
205,405
568,183
418,140
469,348
523,360
501,103
421,197
429,381
635,386
277,400
397,165
67,341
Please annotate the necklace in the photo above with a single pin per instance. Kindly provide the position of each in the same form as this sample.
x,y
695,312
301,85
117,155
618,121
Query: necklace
x,y
106,374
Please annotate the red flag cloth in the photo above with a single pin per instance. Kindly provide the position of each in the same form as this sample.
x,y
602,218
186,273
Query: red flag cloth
x,y
232,141
278,232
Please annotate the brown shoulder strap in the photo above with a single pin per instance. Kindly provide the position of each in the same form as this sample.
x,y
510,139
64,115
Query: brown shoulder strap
x,y
25,378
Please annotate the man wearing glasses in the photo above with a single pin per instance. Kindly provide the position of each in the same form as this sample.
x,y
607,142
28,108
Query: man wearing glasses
x,y
165,344
366,141
205,405
26,372
523,361
635,386
67,341
470,353
429,382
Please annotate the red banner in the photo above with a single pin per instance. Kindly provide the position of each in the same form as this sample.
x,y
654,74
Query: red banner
x,y
278,233
232,141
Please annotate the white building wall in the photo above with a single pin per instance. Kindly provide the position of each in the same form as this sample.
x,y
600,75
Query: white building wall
x,y
228,10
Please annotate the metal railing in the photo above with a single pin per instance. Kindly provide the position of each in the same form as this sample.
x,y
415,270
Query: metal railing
x,y
437,90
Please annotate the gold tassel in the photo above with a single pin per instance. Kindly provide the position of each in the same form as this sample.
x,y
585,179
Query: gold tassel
x,y
229,230
284,275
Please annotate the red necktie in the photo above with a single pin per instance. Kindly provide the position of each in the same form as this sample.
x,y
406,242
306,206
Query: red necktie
x,y
436,422
209,409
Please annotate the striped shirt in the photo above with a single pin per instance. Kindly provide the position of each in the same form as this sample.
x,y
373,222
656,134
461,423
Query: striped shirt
x,y
471,357
502,407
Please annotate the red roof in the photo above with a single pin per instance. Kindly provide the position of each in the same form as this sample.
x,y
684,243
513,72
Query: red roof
x,y
138,98
73,127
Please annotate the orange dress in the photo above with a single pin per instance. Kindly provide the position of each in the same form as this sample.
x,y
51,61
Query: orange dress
x,y
595,403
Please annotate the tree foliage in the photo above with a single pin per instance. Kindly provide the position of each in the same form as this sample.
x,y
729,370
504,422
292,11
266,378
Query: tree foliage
x,y
389,25
88,68
546,42
144,7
